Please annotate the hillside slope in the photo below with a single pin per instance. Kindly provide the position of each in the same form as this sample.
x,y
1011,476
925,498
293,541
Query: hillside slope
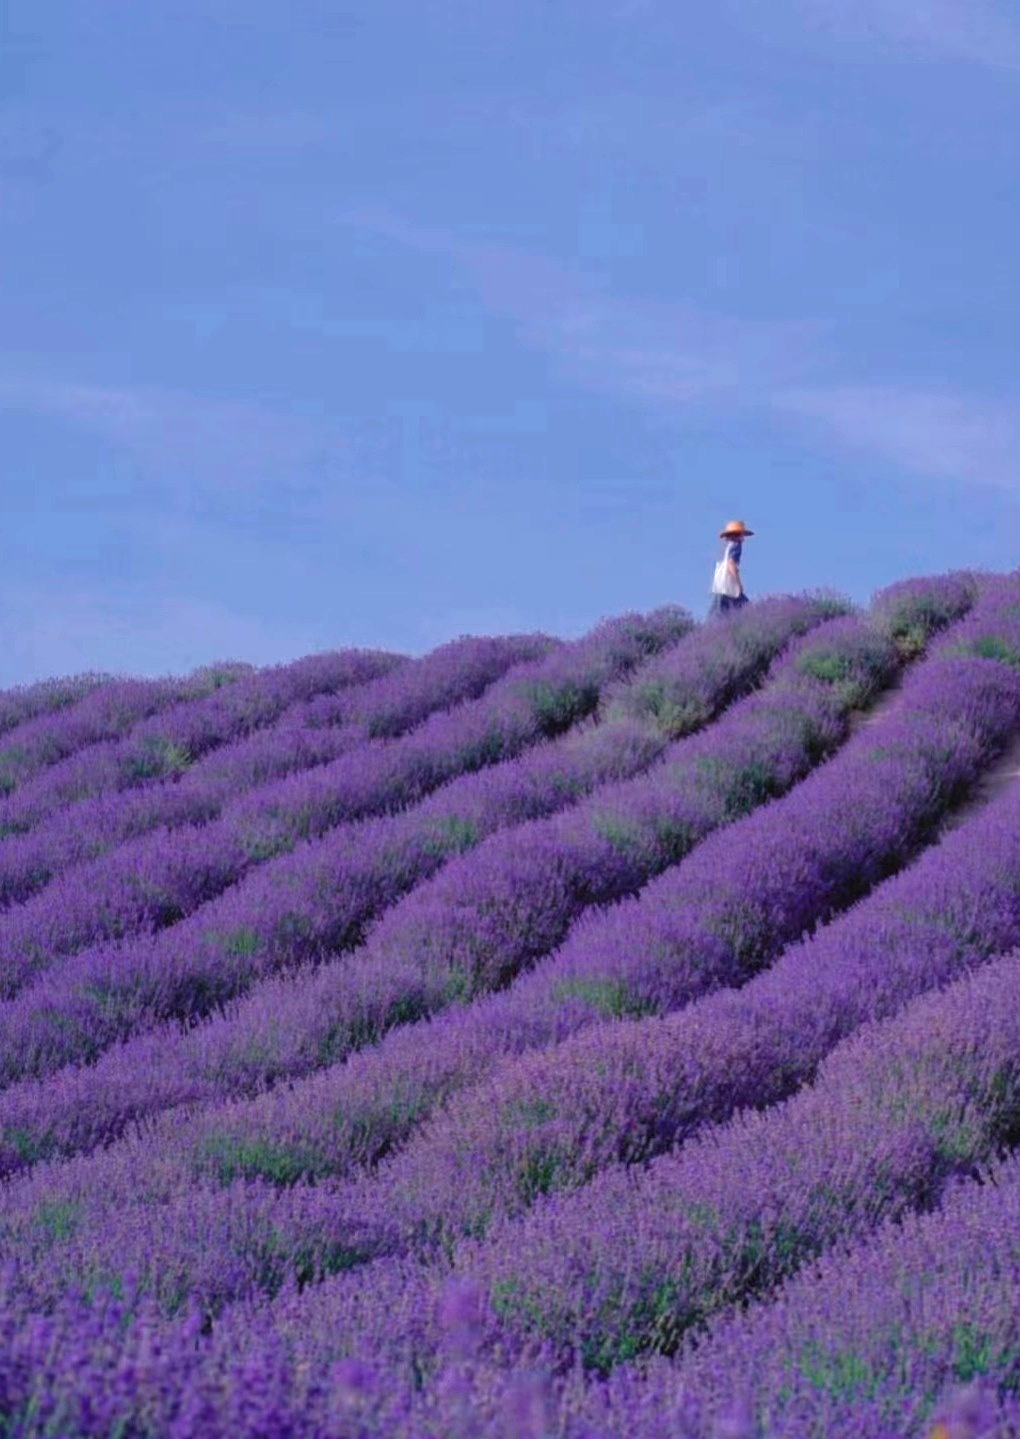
x,y
589,1038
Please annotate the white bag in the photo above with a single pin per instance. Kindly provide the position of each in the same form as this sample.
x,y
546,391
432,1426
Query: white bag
x,y
723,582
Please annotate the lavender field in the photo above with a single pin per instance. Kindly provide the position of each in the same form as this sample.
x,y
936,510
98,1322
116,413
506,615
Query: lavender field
x,y
613,1038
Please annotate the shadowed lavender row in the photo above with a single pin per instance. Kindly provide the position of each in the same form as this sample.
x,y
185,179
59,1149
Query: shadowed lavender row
x,y
378,697
215,1249
74,1009
80,832
103,713
153,881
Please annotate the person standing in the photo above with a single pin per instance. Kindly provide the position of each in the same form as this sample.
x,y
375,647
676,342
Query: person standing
x,y
727,585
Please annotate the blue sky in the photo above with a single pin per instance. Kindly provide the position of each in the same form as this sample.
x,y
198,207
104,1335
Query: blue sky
x,y
336,323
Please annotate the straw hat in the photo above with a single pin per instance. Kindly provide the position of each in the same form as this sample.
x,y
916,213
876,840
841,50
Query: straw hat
x,y
734,529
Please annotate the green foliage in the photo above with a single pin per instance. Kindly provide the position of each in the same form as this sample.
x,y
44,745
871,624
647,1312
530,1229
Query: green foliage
x,y
57,1218
29,1145
537,1175
533,1112
974,1353
608,996
486,750
213,677
557,706
510,1301
673,717
828,667
744,785
262,844
910,619
451,834
370,1134
990,647
11,761
623,834
156,758
227,1158
240,942
843,1375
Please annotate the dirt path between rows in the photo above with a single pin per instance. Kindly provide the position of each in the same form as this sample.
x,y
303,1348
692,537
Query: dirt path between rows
x,y
860,719
997,777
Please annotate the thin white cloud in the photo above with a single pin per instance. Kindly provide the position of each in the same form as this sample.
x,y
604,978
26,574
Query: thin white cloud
x,y
669,354
675,357
935,434
979,32
182,440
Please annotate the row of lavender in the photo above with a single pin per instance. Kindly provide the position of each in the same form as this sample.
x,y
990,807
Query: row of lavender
x,y
217,1246
184,766
288,1028
873,1334
155,880
163,745
28,702
102,712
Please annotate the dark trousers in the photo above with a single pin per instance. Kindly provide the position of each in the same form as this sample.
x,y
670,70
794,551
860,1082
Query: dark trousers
x,y
722,604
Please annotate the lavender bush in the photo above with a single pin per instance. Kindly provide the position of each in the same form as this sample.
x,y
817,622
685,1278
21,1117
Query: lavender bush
x,y
104,712
27,702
